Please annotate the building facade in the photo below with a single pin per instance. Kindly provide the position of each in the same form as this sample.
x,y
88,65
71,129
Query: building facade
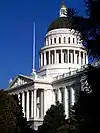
x,y
62,62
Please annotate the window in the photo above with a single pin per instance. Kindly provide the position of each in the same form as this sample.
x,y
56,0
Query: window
x,y
56,96
73,40
47,41
85,58
68,39
47,58
62,96
54,40
59,57
64,39
77,40
42,59
77,58
81,58
62,11
59,40
69,57
51,41
64,58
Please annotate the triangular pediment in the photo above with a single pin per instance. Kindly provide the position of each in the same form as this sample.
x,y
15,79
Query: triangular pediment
x,y
20,80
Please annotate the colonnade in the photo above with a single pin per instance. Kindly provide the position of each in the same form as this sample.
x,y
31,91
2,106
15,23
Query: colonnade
x,y
32,102
66,96
63,56
51,40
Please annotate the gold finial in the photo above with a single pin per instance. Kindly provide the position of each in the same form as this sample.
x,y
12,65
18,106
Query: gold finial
x,y
63,4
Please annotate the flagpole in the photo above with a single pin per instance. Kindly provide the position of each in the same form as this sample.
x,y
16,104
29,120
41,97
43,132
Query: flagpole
x,y
33,41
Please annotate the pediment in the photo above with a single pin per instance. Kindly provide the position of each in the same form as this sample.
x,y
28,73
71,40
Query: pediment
x,y
19,80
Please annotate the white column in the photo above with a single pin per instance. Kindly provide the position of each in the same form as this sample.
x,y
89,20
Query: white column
x,y
83,58
52,57
72,96
86,59
53,96
32,103
59,95
62,57
19,98
66,103
55,56
45,97
23,102
41,60
35,103
42,104
44,58
68,55
75,61
27,105
80,57
49,57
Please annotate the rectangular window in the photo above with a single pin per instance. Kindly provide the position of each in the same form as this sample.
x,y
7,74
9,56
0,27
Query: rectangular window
x,y
59,57
62,97
42,59
54,40
77,40
64,39
64,58
81,58
51,41
47,42
77,59
68,39
56,97
47,58
85,58
59,40
69,57
73,40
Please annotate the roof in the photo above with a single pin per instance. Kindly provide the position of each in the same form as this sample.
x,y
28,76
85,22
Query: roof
x,y
61,22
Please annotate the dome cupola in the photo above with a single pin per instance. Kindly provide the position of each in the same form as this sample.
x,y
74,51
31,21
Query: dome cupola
x,y
63,50
63,10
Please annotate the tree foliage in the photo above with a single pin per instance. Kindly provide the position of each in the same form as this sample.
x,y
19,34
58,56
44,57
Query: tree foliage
x,y
11,116
91,34
54,118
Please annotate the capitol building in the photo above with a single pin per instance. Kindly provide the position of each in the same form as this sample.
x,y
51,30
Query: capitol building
x,y
61,66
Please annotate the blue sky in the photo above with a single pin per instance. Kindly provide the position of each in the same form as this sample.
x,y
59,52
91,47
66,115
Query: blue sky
x,y
16,20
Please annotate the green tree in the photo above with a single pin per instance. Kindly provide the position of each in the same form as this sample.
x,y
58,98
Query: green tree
x,y
11,116
75,122
54,118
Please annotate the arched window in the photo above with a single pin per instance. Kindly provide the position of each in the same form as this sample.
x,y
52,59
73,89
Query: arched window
x,y
59,39
54,40
68,39
64,39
